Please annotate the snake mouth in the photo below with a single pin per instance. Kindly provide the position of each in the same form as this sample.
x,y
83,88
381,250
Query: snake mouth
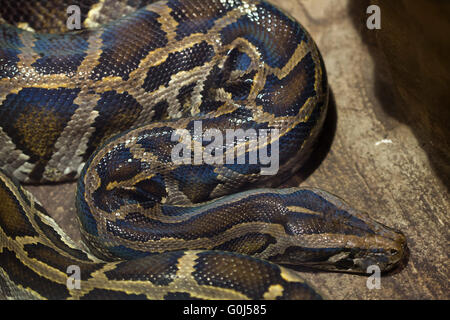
x,y
349,265
348,260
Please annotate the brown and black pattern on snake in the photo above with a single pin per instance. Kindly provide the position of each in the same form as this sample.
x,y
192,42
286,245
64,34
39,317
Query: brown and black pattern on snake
x,y
155,228
36,257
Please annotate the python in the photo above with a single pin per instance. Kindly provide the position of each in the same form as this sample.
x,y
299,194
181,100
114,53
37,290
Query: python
x,y
108,99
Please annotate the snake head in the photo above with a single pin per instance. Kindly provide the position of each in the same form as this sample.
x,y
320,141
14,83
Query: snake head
x,y
330,235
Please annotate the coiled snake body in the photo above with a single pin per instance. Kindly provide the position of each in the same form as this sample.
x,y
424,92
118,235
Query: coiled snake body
x,y
156,228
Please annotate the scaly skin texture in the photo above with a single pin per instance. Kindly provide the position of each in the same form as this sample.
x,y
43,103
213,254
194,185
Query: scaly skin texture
x,y
158,228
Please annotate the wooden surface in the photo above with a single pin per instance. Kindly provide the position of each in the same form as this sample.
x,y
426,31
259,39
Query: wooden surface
x,y
385,149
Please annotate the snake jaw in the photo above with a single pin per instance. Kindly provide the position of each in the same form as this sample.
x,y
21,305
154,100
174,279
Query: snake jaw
x,y
373,244
384,249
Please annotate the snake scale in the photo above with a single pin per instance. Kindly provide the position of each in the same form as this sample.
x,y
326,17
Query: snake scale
x,y
104,104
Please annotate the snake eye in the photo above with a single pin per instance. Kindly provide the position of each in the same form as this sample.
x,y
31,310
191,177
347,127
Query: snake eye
x,y
393,251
